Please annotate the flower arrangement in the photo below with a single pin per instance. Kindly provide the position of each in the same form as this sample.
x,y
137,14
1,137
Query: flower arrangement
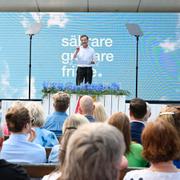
x,y
84,89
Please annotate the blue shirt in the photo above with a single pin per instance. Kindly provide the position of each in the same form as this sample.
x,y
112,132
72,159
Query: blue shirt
x,y
136,130
177,163
54,155
55,122
18,149
90,118
45,138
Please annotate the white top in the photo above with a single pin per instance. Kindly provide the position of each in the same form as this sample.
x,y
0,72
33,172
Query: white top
x,y
52,176
85,56
147,174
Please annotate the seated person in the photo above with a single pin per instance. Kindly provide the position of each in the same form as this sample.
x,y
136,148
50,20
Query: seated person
x,y
94,151
137,110
43,136
172,115
133,151
54,122
11,171
86,107
17,148
99,112
72,122
161,146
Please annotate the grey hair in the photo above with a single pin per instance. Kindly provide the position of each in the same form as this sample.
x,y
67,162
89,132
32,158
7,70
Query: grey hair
x,y
36,113
94,152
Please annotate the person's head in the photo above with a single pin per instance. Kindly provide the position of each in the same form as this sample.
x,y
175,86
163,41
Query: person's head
x,y
160,141
121,122
99,112
69,126
61,101
36,113
137,108
64,141
84,40
94,152
172,115
18,119
86,105
74,120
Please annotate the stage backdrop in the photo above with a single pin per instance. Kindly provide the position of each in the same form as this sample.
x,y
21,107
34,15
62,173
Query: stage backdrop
x,y
52,48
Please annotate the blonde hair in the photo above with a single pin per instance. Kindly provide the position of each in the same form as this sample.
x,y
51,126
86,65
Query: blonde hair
x,y
93,152
172,115
99,112
36,113
74,120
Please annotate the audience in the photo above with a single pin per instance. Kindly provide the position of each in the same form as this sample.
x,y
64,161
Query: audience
x,y
93,152
137,110
99,112
17,148
161,146
55,121
72,122
86,107
43,136
133,150
9,171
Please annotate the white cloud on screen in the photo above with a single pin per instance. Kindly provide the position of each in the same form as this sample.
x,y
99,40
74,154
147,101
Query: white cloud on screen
x,y
6,90
25,23
57,19
54,19
169,45
25,91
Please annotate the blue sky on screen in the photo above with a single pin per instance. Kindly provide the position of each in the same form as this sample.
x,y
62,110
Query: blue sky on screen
x,y
52,47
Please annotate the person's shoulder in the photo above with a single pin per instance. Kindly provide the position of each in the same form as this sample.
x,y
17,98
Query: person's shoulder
x,y
135,174
52,176
136,145
12,171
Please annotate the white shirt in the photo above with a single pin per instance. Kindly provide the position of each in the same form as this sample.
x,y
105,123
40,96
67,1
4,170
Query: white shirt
x,y
52,176
85,56
147,174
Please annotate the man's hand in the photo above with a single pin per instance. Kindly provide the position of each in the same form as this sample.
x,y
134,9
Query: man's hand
x,y
77,51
